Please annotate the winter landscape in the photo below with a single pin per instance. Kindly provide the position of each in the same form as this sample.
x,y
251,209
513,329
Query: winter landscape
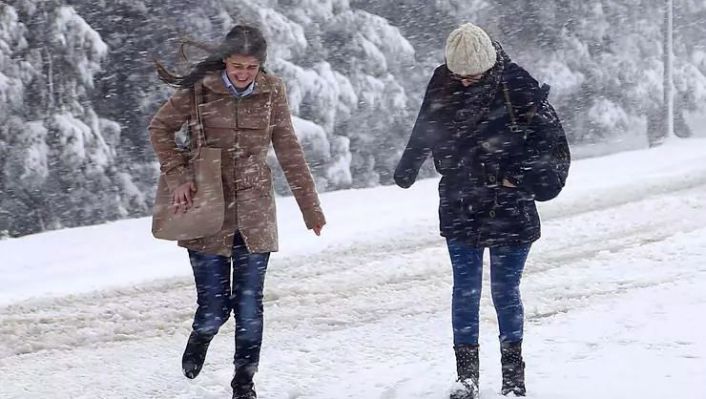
x,y
92,306
614,296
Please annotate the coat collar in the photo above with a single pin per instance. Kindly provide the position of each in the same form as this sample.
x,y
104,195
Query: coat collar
x,y
213,82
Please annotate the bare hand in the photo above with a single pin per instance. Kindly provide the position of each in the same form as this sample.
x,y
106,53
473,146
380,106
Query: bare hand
x,y
506,183
317,229
182,197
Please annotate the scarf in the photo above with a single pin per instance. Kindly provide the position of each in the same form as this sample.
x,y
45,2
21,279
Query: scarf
x,y
470,105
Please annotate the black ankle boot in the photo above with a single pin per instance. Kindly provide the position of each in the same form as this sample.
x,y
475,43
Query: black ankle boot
x,y
195,354
467,367
243,387
513,369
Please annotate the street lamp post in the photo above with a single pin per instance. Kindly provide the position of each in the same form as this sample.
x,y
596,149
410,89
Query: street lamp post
x,y
669,70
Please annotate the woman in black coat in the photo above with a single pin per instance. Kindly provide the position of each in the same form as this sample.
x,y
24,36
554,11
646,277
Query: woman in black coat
x,y
499,147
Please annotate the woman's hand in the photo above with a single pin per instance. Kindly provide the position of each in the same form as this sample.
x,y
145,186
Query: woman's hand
x,y
182,197
506,183
317,229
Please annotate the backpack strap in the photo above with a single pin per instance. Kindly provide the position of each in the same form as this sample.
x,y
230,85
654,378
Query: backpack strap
x,y
514,126
542,95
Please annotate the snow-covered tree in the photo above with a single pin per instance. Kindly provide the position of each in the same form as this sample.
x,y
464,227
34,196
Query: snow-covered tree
x,y
77,84
58,165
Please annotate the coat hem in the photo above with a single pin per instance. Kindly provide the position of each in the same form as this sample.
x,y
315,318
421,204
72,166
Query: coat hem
x,y
486,243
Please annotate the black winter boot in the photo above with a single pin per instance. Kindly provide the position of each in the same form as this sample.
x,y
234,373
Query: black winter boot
x,y
243,387
513,369
195,354
468,372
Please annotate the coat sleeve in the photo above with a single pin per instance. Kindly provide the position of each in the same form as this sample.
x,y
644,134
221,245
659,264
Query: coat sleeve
x,y
162,129
420,143
291,157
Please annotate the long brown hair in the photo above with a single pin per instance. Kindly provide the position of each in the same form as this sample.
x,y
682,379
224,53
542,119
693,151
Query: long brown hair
x,y
241,40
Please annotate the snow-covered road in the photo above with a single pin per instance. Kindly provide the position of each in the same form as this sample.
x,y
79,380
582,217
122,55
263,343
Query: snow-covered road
x,y
613,295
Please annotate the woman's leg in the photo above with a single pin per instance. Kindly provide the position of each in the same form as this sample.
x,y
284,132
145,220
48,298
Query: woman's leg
x,y
467,264
248,285
506,266
212,276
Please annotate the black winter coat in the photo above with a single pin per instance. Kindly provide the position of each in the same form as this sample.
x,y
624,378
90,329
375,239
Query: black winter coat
x,y
531,153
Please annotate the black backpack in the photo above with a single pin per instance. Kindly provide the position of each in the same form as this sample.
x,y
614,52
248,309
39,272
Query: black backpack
x,y
547,156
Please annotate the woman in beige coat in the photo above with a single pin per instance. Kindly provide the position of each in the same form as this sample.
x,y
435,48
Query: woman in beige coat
x,y
243,110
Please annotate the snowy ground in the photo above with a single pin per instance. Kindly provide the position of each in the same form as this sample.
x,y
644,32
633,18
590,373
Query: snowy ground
x,y
614,296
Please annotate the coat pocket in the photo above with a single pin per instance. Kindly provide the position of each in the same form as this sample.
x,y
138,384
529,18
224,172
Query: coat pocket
x,y
254,118
508,201
217,114
257,219
218,123
253,173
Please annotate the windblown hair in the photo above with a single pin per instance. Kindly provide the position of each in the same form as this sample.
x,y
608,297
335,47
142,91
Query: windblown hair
x,y
241,40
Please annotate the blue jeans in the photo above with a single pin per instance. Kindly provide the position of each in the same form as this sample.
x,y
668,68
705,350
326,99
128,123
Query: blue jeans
x,y
506,266
216,299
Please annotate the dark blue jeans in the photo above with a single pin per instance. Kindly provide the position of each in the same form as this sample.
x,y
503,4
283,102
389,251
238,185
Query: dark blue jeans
x,y
216,298
506,266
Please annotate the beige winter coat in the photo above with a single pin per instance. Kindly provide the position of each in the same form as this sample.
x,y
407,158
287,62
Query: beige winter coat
x,y
244,129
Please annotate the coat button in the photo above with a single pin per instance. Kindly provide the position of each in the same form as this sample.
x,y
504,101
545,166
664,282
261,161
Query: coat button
x,y
486,145
492,179
492,214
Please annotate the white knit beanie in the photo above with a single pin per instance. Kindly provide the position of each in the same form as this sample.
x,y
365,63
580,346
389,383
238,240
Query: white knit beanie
x,y
469,51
